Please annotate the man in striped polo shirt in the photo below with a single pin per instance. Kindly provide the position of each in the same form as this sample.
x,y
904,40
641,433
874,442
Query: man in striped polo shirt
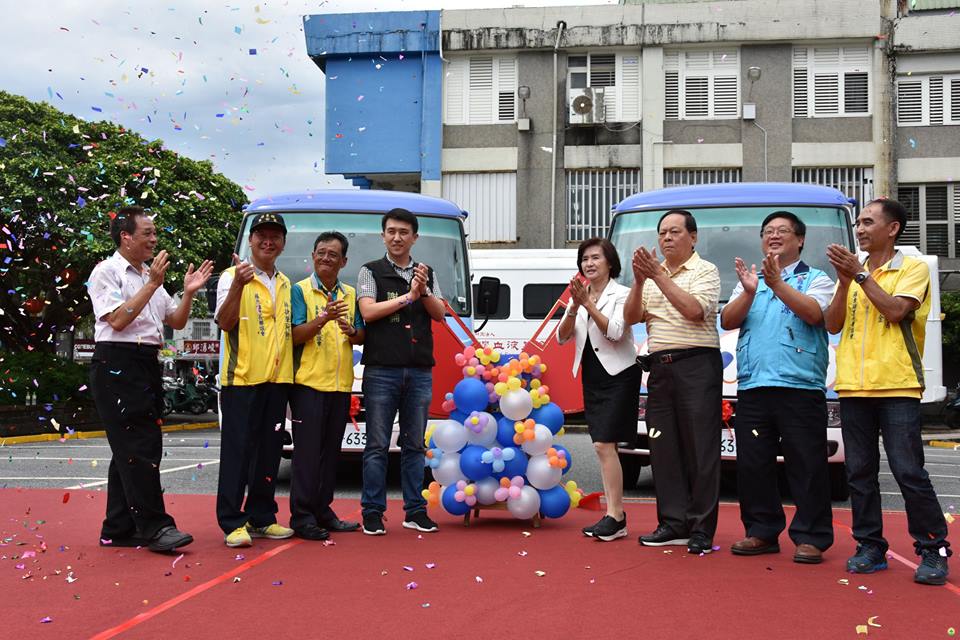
x,y
677,298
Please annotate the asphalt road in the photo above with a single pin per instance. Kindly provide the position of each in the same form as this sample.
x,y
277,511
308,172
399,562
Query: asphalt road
x,y
191,460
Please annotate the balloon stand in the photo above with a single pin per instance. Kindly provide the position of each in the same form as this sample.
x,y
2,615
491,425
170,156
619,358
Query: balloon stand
x,y
499,449
497,506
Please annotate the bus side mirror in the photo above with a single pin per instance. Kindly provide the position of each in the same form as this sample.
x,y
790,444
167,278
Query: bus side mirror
x,y
211,291
488,296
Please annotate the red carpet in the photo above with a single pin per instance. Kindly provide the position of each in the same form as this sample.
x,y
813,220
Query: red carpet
x,y
483,582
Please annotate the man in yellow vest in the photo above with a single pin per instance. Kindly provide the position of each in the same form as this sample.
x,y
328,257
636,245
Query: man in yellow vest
x,y
880,309
256,369
326,325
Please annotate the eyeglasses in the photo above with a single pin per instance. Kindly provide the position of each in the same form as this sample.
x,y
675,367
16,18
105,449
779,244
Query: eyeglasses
x,y
780,231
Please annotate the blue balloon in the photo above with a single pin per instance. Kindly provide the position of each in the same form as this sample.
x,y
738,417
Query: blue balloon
x,y
505,432
450,503
515,467
471,463
471,394
549,415
554,502
459,416
569,457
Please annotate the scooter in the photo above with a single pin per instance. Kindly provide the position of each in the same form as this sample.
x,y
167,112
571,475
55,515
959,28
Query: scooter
x,y
180,396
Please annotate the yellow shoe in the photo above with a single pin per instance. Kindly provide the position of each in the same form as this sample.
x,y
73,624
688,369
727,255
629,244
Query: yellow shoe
x,y
273,531
238,538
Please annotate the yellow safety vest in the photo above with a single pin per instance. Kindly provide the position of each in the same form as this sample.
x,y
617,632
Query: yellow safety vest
x,y
325,362
260,348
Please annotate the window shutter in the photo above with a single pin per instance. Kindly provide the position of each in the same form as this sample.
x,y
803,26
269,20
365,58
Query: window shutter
x,y
671,85
910,102
725,98
506,89
856,92
826,94
955,101
935,87
909,197
481,91
629,95
603,70
801,96
696,97
454,90
936,220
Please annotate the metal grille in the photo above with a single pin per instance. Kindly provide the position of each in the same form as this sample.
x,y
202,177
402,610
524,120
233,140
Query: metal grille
x,y
933,211
854,182
590,196
684,177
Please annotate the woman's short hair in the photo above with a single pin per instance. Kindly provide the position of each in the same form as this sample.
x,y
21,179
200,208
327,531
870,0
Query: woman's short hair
x,y
609,252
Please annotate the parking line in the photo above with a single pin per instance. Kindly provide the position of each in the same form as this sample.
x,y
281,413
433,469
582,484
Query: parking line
x,y
102,482
107,458
932,475
939,495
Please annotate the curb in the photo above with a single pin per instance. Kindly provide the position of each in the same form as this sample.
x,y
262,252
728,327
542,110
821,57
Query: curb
x,y
944,444
87,435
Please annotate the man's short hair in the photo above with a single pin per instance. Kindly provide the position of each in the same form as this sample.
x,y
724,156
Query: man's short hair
x,y
799,228
125,220
401,215
894,211
689,222
327,236
609,252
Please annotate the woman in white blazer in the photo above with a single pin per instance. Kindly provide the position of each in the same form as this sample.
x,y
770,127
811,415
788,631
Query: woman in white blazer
x,y
611,376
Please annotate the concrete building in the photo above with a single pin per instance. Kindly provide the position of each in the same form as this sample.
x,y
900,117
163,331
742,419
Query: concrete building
x,y
537,120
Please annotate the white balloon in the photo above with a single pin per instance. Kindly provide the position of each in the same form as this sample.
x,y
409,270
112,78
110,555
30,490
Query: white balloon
x,y
487,436
450,435
516,404
542,441
485,490
540,474
449,470
527,505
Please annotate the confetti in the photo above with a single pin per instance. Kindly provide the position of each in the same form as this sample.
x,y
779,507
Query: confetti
x,y
430,565
756,434
278,583
179,557
540,574
411,586
478,579
407,568
949,518
522,554
46,619
654,433
872,623
862,630
66,497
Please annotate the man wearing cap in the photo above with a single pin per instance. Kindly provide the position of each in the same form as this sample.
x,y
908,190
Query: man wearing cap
x,y
256,369
130,307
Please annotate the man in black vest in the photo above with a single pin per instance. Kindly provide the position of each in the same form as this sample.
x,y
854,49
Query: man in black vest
x,y
398,297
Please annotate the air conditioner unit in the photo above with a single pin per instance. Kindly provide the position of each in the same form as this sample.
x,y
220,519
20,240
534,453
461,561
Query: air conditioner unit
x,y
586,106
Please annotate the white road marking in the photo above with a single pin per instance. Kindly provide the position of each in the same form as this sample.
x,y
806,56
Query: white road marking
x,y
932,475
52,478
162,471
107,459
939,495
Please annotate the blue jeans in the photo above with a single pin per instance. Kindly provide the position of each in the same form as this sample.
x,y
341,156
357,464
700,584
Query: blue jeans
x,y
387,390
898,421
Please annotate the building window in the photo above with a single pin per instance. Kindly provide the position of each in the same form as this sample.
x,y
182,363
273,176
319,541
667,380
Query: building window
x,y
611,83
928,100
701,84
684,177
831,81
591,194
853,182
491,200
480,90
538,299
933,215
202,329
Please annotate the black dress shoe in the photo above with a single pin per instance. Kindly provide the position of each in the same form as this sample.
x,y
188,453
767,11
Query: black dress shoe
x,y
311,532
340,526
168,539
125,541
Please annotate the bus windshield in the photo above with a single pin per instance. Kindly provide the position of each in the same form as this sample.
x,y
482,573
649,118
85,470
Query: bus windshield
x,y
725,233
441,245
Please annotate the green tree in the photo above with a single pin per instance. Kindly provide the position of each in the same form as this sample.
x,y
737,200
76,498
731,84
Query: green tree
x,y
61,180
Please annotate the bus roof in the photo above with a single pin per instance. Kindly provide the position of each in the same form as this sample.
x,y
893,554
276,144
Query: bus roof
x,y
365,200
734,194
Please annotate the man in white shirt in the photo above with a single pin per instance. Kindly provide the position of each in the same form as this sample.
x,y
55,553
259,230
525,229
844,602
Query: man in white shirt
x,y
131,307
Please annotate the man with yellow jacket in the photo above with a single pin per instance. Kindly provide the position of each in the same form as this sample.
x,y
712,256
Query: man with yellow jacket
x,y
880,309
256,370
326,325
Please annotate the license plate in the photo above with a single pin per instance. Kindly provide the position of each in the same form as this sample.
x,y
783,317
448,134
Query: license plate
x,y
728,445
354,438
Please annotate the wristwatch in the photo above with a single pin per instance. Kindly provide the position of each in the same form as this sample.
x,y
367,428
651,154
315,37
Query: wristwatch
x,y
861,277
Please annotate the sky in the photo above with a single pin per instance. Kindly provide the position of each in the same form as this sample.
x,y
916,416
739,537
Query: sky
x,y
225,82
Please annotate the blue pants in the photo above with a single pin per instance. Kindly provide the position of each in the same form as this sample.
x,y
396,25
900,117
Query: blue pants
x,y
387,390
898,421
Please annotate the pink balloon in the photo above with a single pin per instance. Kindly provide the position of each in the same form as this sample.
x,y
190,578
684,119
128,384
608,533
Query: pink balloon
x,y
501,494
460,359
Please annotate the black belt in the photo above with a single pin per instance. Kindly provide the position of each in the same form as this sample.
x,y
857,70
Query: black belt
x,y
130,346
669,357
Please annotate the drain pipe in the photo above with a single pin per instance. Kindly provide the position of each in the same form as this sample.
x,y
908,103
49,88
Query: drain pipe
x,y
561,25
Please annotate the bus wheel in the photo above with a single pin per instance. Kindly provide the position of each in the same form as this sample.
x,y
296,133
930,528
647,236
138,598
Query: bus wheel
x,y
839,490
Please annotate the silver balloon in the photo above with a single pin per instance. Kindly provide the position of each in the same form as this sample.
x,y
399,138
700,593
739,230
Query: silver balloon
x,y
540,474
487,435
449,470
526,506
542,441
516,404
485,490
451,436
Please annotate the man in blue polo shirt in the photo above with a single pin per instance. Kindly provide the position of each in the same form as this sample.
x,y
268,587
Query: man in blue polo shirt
x,y
782,356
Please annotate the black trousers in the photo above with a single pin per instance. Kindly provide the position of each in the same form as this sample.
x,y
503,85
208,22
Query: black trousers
x,y
319,420
251,440
684,406
127,386
795,420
